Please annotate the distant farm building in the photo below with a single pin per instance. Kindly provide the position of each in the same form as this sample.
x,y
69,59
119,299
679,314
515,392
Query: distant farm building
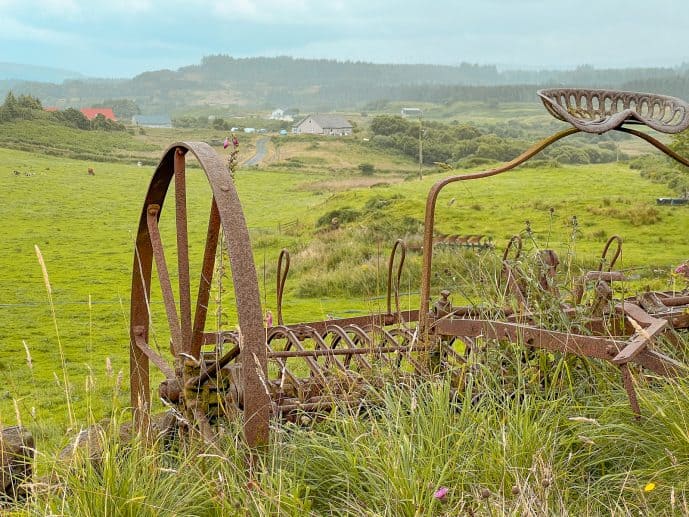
x,y
91,113
318,124
411,112
152,121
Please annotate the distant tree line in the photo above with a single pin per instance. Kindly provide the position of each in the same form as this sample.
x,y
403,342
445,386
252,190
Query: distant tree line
x,y
464,145
325,85
27,107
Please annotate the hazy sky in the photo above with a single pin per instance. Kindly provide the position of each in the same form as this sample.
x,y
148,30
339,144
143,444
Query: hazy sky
x,y
120,38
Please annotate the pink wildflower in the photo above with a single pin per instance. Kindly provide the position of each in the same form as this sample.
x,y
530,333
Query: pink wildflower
x,y
226,143
441,493
683,269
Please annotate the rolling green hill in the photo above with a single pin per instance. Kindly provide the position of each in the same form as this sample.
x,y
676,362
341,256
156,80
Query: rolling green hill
x,y
264,83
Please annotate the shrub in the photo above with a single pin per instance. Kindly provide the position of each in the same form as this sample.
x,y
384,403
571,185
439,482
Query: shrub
x,y
367,169
640,215
343,216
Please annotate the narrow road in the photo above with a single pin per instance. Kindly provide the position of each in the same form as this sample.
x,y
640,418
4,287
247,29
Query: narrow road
x,y
261,151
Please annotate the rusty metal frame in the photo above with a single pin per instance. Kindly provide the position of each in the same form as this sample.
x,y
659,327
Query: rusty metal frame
x,y
226,214
337,354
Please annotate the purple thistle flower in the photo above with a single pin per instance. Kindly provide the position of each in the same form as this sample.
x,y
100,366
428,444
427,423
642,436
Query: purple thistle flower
x,y
683,269
441,493
226,143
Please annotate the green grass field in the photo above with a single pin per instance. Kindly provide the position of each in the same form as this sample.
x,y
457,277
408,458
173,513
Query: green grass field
x,y
84,226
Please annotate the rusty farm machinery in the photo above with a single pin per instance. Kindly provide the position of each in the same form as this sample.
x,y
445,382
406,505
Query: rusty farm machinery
x,y
281,371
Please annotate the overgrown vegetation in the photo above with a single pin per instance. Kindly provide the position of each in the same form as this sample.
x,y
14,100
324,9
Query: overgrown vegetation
x,y
467,146
26,107
661,169
495,448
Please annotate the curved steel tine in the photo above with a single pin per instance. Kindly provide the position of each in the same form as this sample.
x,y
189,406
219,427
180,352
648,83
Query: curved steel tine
x,y
618,252
368,339
320,343
281,279
390,338
340,335
516,240
310,361
408,337
280,333
399,243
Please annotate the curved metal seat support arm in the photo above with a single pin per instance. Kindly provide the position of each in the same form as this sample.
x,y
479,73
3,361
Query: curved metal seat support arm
x,y
429,219
655,143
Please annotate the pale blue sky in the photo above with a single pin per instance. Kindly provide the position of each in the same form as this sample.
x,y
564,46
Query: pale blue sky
x,y
121,38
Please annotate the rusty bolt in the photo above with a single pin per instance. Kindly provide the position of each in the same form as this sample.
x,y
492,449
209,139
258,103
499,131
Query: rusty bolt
x,y
170,390
515,490
611,350
485,493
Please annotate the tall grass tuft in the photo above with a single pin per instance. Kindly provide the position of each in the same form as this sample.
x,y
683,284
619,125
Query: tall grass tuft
x,y
61,351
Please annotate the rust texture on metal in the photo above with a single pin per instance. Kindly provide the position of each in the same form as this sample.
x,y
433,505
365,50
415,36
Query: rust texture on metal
x,y
149,246
284,370
394,282
598,111
284,258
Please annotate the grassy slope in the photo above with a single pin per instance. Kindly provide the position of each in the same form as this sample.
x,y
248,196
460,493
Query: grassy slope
x,y
55,139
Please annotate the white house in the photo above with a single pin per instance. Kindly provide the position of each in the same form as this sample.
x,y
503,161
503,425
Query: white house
x,y
319,124
411,112
280,114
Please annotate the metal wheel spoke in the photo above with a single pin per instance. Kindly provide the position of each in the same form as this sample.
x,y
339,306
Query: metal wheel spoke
x,y
205,280
164,277
182,249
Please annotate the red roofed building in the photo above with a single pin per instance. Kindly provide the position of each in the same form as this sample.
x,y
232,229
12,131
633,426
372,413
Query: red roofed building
x,y
51,108
90,113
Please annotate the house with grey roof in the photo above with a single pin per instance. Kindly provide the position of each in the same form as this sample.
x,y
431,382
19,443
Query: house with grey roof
x,y
152,120
323,124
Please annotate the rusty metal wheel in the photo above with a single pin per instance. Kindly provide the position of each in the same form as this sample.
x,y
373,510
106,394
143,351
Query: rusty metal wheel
x,y
191,373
